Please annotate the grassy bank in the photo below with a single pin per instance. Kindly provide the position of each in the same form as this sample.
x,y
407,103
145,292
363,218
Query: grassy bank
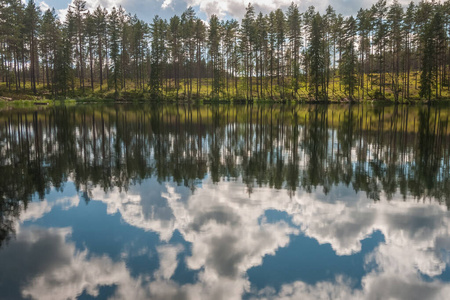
x,y
232,92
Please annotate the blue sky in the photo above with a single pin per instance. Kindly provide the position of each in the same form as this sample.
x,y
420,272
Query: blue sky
x,y
147,9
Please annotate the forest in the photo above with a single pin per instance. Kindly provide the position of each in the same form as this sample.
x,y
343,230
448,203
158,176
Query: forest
x,y
385,52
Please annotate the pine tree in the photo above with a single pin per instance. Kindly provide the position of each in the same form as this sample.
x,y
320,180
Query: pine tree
x,y
90,33
433,39
280,23
99,17
363,23
158,32
199,37
260,50
348,63
395,36
231,28
124,44
408,29
381,32
247,37
175,46
48,41
114,44
188,20
79,14
13,49
316,56
214,38
138,48
32,16
294,34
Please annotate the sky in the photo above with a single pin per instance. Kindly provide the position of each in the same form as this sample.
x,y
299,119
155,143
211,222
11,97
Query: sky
x,y
147,9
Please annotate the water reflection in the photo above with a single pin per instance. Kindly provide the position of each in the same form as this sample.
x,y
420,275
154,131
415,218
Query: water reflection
x,y
225,202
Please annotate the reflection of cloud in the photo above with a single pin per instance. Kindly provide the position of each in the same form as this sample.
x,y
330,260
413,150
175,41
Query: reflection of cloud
x,y
54,269
384,287
167,260
229,235
300,290
376,285
37,209
149,213
235,241
344,224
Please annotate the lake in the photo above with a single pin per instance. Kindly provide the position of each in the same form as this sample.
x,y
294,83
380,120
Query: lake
x,y
225,202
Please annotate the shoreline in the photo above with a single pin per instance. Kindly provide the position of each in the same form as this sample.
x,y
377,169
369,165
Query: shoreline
x,y
46,102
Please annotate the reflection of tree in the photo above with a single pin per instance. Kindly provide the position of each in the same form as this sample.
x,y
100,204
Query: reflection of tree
x,y
383,150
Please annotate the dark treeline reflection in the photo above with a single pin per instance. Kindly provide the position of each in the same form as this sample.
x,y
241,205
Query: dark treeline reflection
x,y
378,150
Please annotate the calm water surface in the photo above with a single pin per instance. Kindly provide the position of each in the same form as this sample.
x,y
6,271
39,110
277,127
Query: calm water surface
x,y
226,202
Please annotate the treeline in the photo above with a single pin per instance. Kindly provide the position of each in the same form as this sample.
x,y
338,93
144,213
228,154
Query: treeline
x,y
384,52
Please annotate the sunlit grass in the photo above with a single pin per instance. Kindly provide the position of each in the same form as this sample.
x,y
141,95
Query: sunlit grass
x,y
231,89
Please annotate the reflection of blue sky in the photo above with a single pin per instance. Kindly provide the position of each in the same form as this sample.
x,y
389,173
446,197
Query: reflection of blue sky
x,y
219,242
105,234
100,233
306,260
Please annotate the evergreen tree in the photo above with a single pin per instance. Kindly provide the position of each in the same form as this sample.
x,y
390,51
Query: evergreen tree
x,y
247,38
90,37
158,32
433,39
114,45
188,20
348,63
199,37
294,34
317,58
260,49
100,23
363,24
395,36
49,38
79,14
175,46
31,28
214,39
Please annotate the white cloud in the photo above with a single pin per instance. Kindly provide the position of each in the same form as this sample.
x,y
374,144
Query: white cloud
x,y
166,4
146,10
91,5
44,6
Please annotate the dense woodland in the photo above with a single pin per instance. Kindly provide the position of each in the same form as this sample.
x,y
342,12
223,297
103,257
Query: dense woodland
x,y
385,52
